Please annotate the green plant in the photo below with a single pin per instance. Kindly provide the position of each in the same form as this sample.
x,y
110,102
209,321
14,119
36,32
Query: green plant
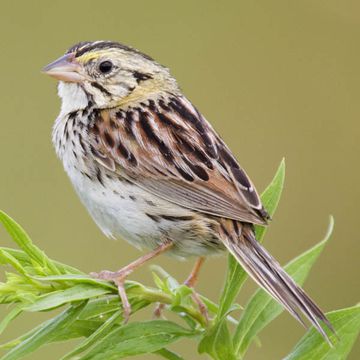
x,y
92,309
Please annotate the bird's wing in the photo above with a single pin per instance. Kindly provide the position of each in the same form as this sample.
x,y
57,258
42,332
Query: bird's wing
x,y
170,150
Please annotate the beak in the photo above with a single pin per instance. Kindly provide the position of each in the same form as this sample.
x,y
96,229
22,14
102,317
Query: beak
x,y
65,68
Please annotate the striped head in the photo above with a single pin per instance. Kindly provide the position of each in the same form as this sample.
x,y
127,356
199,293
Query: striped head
x,y
107,74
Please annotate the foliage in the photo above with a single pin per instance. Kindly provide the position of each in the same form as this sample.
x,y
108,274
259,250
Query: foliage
x,y
92,310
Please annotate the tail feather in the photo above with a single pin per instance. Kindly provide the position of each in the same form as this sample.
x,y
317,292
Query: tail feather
x,y
268,273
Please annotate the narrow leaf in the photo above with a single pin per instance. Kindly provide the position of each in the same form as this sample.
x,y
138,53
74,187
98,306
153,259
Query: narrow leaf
x,y
217,342
76,279
58,298
262,308
7,258
24,242
236,276
101,332
45,333
312,346
136,338
9,318
169,355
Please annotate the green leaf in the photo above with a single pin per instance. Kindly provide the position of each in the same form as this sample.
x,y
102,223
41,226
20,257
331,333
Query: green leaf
x,y
270,198
98,307
136,338
73,279
101,332
10,317
7,258
24,242
26,261
61,297
169,355
45,333
79,328
312,346
217,342
236,276
262,308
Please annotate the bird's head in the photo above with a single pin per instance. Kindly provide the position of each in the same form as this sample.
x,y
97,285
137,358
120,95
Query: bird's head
x,y
108,74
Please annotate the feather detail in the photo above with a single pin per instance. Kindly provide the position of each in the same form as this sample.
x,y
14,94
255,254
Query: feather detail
x,y
169,149
239,239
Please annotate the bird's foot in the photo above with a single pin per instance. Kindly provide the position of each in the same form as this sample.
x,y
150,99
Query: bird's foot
x,y
201,305
118,278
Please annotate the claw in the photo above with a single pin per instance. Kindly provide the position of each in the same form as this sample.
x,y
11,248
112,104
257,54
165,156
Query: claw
x,y
120,282
158,310
118,278
202,307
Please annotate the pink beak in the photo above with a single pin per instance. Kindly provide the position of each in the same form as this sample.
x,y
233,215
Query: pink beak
x,y
65,69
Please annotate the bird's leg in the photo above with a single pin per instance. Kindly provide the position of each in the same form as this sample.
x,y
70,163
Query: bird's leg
x,y
190,282
193,277
118,277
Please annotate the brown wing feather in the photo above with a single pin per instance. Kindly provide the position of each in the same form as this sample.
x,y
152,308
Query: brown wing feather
x,y
169,149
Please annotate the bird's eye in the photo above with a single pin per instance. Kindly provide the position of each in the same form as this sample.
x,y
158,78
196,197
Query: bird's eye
x,y
105,67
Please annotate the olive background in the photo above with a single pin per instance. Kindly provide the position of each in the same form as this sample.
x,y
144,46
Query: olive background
x,y
275,78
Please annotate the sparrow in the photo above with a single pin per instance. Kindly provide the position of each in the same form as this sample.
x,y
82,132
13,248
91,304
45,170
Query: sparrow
x,y
150,169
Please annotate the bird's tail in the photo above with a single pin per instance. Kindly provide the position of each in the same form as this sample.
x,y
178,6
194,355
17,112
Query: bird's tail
x,y
268,273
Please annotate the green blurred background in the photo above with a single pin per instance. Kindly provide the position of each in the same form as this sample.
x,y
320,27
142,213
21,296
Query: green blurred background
x,y
275,78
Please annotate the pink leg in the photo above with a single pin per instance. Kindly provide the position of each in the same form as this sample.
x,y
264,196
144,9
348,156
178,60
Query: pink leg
x,y
193,277
119,277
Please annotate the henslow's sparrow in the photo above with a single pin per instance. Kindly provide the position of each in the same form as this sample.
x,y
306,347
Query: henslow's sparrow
x,y
150,169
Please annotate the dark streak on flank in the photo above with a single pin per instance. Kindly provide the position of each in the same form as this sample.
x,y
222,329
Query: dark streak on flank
x,y
223,228
154,138
82,144
101,88
87,175
99,176
66,132
95,152
132,197
153,217
176,218
236,227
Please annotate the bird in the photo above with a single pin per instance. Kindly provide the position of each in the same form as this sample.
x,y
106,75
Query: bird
x,y
150,169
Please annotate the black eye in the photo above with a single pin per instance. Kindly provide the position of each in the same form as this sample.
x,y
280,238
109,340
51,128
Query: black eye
x,y
105,67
